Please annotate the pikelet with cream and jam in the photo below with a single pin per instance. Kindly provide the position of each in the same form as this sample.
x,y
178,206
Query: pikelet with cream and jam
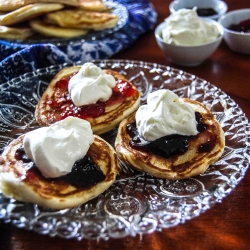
x,y
102,97
170,137
64,163
60,166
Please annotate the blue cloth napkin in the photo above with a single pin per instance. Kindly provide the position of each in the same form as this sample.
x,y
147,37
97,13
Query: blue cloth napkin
x,y
17,59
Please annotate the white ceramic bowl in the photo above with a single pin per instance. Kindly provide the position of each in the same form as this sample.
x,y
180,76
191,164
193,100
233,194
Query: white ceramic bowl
x,y
237,41
188,56
219,6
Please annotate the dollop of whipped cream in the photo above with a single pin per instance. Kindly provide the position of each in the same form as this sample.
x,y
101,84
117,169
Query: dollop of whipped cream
x,y
90,84
56,148
165,114
185,27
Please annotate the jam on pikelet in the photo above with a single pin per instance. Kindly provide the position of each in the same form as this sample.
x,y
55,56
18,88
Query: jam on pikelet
x,y
90,176
56,103
186,156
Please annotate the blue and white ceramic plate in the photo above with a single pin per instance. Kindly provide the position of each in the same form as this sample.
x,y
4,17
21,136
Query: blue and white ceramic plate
x,y
135,18
117,9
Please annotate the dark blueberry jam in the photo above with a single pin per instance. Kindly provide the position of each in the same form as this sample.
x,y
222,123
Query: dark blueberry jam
x,y
166,146
206,12
20,155
200,125
85,172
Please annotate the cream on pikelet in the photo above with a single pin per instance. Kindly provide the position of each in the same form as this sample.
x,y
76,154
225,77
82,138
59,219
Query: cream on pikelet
x,y
56,102
173,156
81,19
20,179
28,12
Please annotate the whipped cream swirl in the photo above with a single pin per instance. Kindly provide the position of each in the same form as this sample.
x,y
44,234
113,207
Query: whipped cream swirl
x,y
56,148
165,114
90,84
185,27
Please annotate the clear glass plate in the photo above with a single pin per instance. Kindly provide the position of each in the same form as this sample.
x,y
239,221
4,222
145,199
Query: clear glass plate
x,y
117,9
136,203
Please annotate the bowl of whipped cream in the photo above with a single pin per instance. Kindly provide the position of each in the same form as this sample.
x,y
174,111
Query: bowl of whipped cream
x,y
187,39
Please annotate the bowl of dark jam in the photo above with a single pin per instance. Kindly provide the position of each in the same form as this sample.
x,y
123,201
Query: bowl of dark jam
x,y
236,25
205,8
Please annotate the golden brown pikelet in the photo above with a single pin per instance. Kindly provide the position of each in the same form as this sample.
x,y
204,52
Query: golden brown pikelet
x,y
20,182
17,33
191,163
10,5
93,5
28,12
66,2
47,112
81,19
47,29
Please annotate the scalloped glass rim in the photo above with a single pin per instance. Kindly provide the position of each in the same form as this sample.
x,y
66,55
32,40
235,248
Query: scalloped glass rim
x,y
117,9
136,203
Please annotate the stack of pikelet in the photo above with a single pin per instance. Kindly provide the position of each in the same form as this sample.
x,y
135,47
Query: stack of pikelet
x,y
22,19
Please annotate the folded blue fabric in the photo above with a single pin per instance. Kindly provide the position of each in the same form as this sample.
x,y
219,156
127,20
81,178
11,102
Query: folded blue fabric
x,y
17,58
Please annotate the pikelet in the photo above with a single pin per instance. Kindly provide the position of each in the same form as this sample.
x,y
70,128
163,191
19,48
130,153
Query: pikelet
x,y
55,103
22,181
27,12
10,5
93,5
50,30
77,18
18,33
81,19
204,149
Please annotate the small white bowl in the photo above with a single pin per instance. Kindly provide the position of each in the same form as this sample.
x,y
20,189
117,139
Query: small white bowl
x,y
237,41
188,56
219,6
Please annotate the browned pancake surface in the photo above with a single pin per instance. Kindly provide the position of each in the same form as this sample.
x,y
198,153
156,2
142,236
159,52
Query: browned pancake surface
x,y
77,18
31,186
50,30
93,5
175,167
47,114
10,5
28,12
17,33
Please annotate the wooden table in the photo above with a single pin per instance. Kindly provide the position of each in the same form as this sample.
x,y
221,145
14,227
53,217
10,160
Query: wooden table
x,y
224,226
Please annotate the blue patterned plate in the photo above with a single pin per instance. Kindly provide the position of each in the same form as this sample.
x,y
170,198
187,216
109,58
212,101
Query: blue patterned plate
x,y
135,18
118,9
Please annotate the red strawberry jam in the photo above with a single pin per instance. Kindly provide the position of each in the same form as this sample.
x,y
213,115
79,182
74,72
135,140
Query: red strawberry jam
x,y
243,26
63,102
